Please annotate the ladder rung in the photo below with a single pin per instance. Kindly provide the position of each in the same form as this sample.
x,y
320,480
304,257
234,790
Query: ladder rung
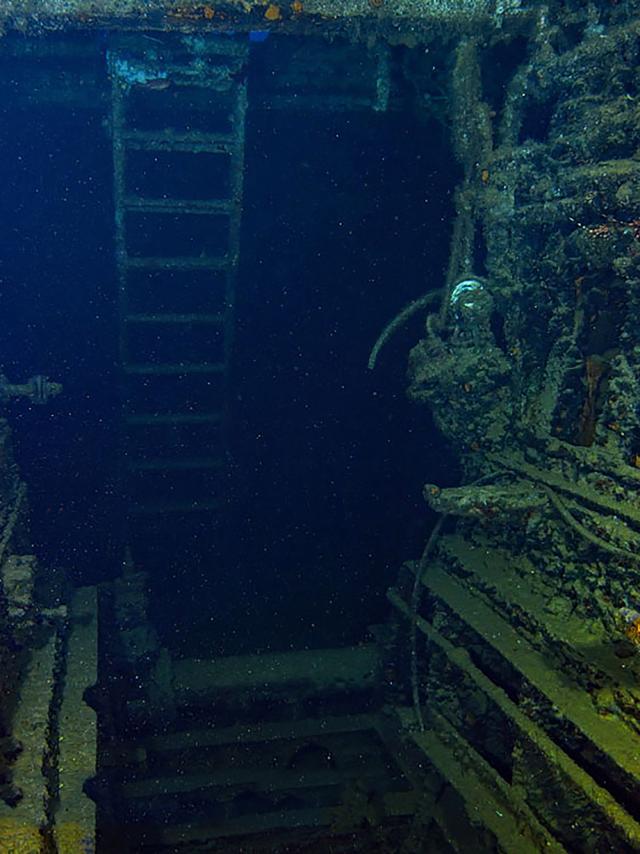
x,y
168,369
175,507
182,206
174,318
160,418
186,263
177,464
156,140
220,44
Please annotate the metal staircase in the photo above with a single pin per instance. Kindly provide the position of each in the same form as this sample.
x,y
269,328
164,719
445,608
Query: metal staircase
x,y
178,130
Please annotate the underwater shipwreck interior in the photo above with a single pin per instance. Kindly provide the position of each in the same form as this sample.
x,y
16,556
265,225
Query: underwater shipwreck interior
x,y
319,426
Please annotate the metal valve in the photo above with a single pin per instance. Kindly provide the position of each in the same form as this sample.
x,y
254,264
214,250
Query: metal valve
x,y
38,389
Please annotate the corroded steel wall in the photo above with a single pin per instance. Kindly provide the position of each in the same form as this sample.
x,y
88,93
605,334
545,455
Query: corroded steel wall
x,y
407,15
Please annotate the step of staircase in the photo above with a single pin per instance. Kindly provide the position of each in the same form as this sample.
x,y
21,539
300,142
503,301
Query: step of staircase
x,y
271,756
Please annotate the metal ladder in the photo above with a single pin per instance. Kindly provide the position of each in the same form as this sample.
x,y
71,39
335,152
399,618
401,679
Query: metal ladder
x,y
178,132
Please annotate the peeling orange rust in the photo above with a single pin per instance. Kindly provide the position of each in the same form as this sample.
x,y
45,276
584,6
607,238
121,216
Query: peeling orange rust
x,y
273,13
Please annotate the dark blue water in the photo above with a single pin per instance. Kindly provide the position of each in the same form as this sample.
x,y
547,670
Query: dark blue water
x,y
346,219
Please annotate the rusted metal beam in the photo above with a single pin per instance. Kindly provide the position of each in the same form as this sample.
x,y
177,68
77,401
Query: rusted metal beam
x,y
405,16
75,812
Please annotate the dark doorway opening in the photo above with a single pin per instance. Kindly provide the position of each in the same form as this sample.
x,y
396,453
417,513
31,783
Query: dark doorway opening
x,y
346,219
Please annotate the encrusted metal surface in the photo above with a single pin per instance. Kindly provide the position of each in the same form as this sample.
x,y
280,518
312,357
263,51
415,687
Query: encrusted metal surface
x,y
296,15
75,813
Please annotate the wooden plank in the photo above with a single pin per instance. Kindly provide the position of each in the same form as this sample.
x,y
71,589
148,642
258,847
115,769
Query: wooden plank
x,y
263,780
345,667
611,735
603,809
490,800
12,519
30,726
591,498
75,814
289,730
522,593
394,805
